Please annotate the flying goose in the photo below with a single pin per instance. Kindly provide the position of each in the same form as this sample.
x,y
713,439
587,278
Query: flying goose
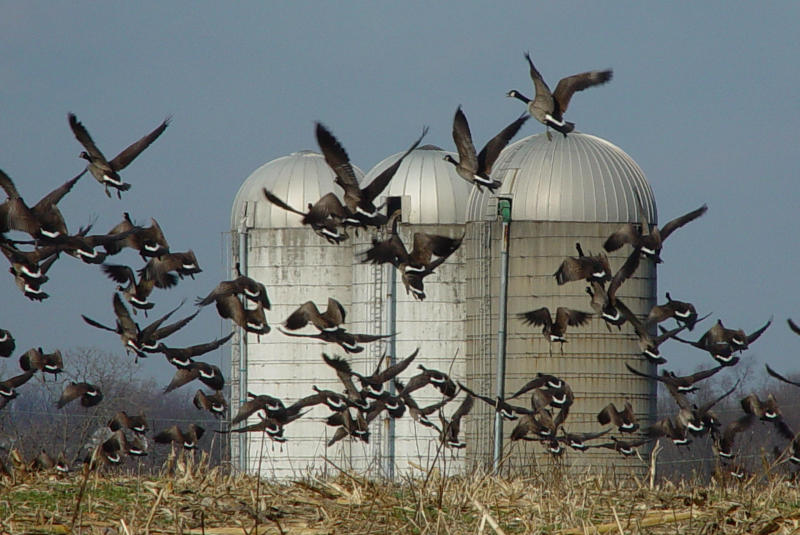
x,y
345,374
90,395
419,414
765,409
529,424
29,268
329,321
36,359
8,387
159,268
325,217
682,311
624,420
722,342
350,342
477,169
507,411
136,339
51,220
649,240
440,380
357,427
187,439
357,200
252,320
373,385
84,246
625,447
250,288
541,380
122,420
214,403
271,406
684,384
591,268
14,213
698,419
414,265
450,429
209,374
561,398
604,300
148,241
333,400
577,441
7,343
648,343
554,330
181,357
548,108
137,292
723,442
105,171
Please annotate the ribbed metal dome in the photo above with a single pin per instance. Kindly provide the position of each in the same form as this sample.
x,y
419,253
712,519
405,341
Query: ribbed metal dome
x,y
434,192
299,178
577,178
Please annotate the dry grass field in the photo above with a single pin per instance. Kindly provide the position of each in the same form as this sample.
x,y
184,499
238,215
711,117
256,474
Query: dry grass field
x,y
192,498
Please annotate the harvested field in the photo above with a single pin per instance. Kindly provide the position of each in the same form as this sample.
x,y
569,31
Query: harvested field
x,y
197,499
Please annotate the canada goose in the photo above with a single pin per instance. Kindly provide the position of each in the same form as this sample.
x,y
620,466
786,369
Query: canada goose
x,y
122,420
36,359
507,411
674,428
136,446
448,434
765,409
136,292
271,406
562,397
250,288
625,447
209,374
649,240
8,387
722,342
330,320
32,288
159,268
51,220
325,217
90,395
591,268
624,420
417,264
188,439
723,442
548,108
345,374
350,342
272,427
29,268
697,419
684,384
440,380
357,427
148,241
110,451
604,300
7,343
477,168
554,330
14,213
529,424
252,320
648,343
373,385
133,338
577,441
541,380
85,247
42,462
214,403
181,357
682,311
333,400
419,414
357,200
106,172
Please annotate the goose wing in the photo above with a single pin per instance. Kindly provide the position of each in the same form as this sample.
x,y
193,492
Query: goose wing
x,y
462,137
124,158
543,98
83,137
382,180
495,146
678,222
578,82
338,160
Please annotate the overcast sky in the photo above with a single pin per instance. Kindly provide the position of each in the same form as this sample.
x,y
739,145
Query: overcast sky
x,y
704,98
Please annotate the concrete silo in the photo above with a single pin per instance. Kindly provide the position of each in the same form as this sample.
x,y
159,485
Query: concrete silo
x,y
431,197
574,189
296,265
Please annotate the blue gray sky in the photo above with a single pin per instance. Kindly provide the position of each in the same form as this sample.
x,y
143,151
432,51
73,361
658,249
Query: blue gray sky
x,y
704,98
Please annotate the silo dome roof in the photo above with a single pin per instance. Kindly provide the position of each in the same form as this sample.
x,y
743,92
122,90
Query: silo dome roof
x,y
432,191
575,178
298,179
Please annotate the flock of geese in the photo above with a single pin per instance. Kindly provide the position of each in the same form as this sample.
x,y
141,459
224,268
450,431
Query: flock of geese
x,y
244,301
